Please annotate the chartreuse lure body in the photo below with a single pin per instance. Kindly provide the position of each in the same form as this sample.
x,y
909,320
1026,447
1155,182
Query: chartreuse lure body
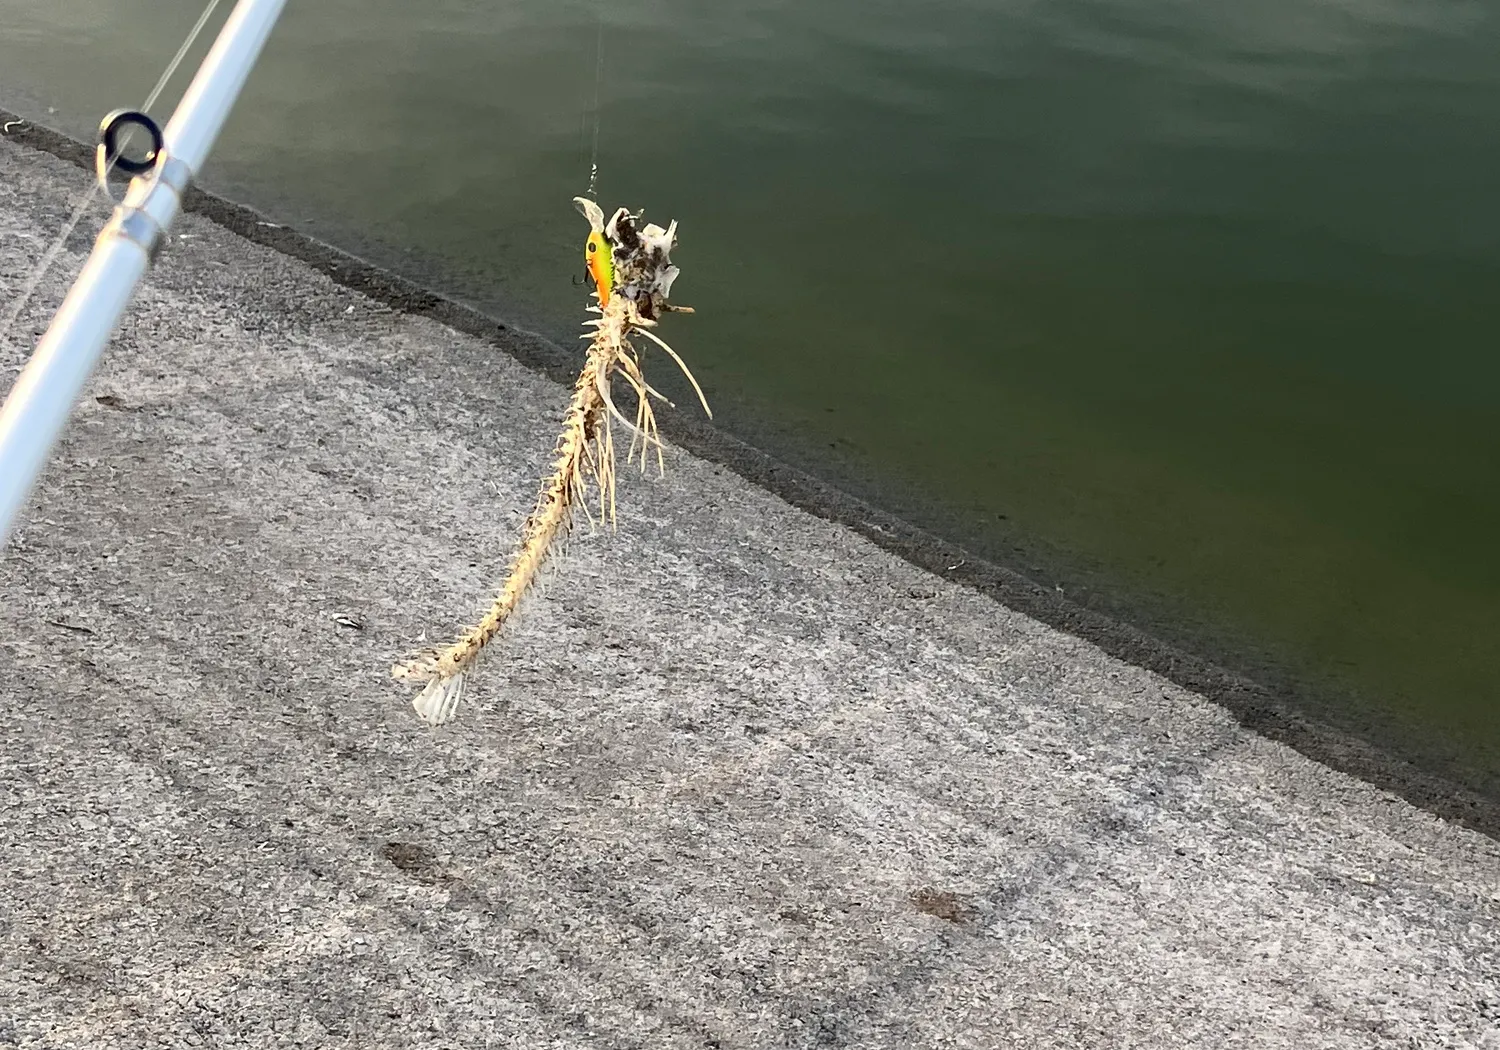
x,y
598,257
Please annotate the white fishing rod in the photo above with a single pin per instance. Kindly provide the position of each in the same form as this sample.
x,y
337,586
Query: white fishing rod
x,y
42,399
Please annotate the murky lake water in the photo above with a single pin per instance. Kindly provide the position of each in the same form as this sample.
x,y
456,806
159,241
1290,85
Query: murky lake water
x,y
1190,309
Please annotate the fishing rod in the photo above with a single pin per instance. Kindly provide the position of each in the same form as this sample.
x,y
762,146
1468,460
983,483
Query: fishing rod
x,y
43,397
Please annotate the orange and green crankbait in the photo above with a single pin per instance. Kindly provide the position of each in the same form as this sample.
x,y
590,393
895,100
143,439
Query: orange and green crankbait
x,y
597,257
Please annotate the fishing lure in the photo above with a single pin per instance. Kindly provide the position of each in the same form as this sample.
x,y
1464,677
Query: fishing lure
x,y
598,258
633,275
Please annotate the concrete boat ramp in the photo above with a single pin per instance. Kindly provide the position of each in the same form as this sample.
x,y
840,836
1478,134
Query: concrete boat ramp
x,y
739,779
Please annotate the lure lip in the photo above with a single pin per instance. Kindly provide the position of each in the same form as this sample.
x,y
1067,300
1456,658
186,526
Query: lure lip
x,y
592,212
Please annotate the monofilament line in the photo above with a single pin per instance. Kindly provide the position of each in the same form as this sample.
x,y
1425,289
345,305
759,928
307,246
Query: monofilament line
x,y
51,254
598,81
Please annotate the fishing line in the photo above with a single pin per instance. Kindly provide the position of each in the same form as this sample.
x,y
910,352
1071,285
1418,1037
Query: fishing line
x,y
598,80
102,179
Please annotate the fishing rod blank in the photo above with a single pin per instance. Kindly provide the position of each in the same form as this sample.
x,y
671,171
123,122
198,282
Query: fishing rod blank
x,y
42,399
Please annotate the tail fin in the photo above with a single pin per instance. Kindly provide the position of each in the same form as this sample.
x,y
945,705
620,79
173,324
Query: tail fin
x,y
438,702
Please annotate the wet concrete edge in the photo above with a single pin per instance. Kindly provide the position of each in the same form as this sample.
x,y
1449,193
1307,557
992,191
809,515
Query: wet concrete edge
x,y
1253,705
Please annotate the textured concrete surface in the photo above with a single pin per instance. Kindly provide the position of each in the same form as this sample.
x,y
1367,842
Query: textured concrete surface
x,y
740,779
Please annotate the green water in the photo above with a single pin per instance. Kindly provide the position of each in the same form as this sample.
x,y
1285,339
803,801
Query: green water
x,y
1191,309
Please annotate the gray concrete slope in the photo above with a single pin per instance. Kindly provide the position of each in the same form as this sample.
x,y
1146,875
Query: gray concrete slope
x,y
739,778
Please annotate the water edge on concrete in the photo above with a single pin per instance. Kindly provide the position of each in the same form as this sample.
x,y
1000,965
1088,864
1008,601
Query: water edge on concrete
x,y
742,779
